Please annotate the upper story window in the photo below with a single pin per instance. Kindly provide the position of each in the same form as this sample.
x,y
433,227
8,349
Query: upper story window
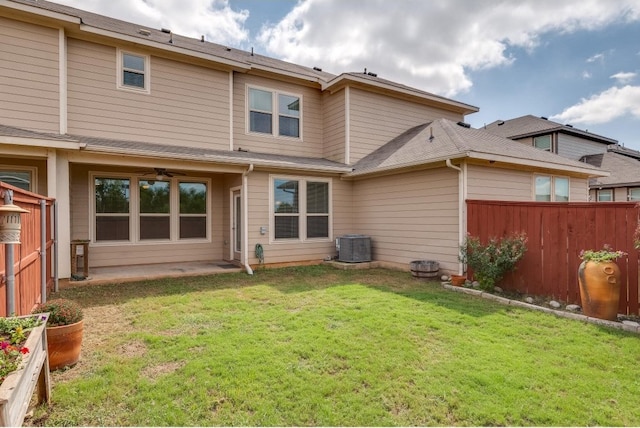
x,y
543,142
133,71
551,189
274,113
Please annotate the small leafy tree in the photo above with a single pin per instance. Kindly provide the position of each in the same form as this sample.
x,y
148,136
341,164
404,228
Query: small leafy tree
x,y
492,260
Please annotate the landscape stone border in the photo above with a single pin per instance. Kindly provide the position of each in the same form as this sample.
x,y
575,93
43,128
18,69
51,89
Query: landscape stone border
x,y
631,326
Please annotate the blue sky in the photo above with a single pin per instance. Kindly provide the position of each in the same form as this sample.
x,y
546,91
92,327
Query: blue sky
x,y
573,61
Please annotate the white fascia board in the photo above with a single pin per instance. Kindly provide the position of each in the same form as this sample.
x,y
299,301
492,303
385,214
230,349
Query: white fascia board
x,y
164,46
41,12
40,142
590,171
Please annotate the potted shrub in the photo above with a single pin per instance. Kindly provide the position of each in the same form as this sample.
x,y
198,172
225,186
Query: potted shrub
x,y
492,260
64,331
599,279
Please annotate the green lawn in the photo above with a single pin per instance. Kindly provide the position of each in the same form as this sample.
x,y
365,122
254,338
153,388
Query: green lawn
x,y
318,346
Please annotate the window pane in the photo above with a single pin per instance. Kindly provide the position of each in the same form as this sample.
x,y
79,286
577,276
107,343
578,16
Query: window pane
x,y
543,188
289,126
286,227
155,227
561,186
193,227
133,62
543,142
634,194
286,196
112,195
130,78
317,198
260,100
318,227
193,198
288,105
605,195
260,122
154,197
112,228
21,179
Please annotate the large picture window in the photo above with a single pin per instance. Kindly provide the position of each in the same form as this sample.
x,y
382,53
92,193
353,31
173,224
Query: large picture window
x,y
152,210
262,105
301,209
112,196
193,210
21,178
155,209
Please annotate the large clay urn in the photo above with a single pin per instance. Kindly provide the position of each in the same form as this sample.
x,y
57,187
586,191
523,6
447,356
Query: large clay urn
x,y
599,289
64,344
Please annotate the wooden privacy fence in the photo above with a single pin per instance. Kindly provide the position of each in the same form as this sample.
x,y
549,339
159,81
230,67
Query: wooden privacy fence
x,y
28,254
556,233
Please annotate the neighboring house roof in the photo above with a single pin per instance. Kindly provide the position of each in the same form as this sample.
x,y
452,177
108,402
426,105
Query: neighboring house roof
x,y
624,170
624,151
234,58
444,139
112,146
531,126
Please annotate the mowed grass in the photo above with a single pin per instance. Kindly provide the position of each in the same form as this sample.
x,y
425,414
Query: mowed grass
x,y
317,346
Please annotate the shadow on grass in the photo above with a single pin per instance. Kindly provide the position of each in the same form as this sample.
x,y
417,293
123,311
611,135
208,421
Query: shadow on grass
x,y
285,280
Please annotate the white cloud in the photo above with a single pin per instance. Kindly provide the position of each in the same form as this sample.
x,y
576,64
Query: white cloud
x,y
624,78
212,18
586,75
597,57
430,45
603,107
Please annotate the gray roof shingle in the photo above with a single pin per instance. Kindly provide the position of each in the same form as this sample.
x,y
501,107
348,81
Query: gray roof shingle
x,y
624,170
529,126
451,140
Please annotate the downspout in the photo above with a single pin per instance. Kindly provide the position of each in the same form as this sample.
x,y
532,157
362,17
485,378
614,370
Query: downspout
x,y
245,220
462,196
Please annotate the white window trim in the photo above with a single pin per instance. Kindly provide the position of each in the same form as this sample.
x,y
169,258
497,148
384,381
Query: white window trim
x,y
302,214
629,189
134,211
275,113
147,72
552,149
553,186
32,170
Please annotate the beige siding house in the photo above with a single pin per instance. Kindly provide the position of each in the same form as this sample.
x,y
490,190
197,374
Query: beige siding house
x,y
160,148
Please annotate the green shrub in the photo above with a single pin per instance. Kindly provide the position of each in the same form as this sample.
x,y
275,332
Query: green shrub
x,y
492,260
61,312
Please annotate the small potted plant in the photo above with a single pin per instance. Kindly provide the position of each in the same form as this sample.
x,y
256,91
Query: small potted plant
x,y
64,331
599,279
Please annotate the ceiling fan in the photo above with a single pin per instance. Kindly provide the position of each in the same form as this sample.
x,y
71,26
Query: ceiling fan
x,y
160,173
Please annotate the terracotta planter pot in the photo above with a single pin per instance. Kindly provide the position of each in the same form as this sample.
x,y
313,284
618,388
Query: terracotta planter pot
x,y
458,280
600,289
64,344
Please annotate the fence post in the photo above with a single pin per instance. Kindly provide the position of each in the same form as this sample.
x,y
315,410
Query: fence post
x,y
43,251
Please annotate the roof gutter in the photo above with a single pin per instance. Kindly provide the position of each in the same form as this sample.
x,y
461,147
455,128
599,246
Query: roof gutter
x,y
462,206
245,220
